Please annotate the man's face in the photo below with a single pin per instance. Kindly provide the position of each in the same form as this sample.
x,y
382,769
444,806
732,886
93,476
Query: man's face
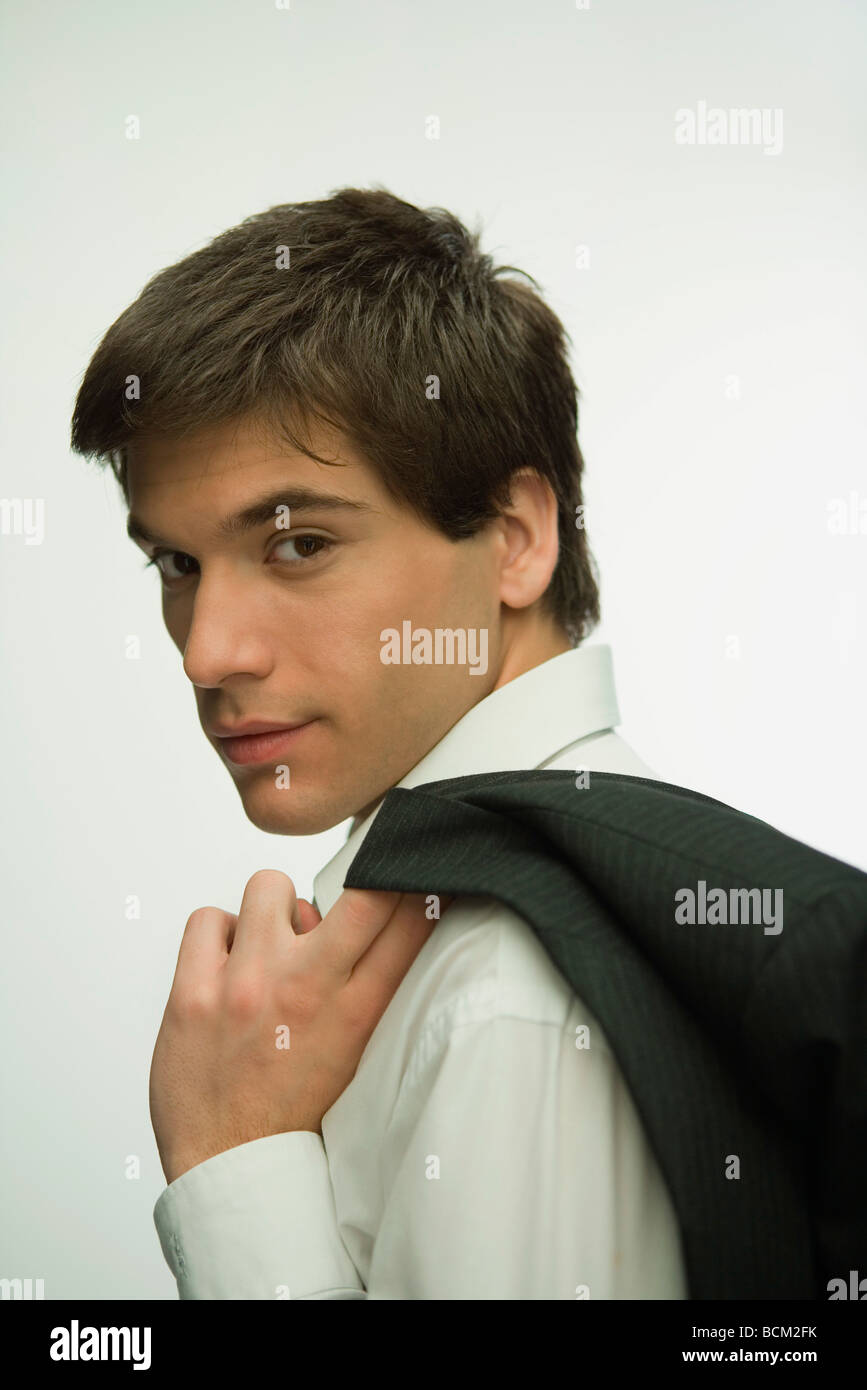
x,y
281,624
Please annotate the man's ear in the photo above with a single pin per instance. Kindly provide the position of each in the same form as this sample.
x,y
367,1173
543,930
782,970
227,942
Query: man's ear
x,y
531,539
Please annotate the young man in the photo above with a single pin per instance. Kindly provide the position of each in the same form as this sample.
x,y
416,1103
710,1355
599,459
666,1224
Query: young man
x,y
349,447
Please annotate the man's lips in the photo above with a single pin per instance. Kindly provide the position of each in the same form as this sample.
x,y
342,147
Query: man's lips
x,y
252,726
259,742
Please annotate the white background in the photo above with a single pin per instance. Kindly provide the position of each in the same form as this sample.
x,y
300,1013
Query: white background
x,y
708,515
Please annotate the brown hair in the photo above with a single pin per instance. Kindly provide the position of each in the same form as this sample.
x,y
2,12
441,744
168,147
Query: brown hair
x,y
342,310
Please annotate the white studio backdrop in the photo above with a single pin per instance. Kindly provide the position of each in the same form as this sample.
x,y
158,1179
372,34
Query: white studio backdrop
x,y
715,296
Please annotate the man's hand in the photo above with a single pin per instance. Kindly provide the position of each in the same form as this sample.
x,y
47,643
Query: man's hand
x,y
270,1011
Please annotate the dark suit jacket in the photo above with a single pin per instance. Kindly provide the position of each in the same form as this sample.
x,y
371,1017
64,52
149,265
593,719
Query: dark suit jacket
x,y
743,1047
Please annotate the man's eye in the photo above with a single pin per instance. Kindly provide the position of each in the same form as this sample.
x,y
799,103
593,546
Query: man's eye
x,y
306,553
176,564
166,559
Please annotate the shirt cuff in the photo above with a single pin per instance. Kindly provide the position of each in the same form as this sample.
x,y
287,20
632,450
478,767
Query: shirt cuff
x,y
257,1222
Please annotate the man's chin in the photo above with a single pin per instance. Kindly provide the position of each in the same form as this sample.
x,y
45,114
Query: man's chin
x,y
272,810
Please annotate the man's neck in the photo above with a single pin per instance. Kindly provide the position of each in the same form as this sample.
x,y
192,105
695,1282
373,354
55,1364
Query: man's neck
x,y
518,659
523,656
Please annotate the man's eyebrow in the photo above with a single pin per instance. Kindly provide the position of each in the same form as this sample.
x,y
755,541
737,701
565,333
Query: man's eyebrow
x,y
264,510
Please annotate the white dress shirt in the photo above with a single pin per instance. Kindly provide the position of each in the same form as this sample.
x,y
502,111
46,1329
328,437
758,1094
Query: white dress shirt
x,y
478,1152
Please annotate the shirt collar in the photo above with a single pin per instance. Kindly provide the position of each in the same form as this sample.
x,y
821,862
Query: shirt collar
x,y
522,725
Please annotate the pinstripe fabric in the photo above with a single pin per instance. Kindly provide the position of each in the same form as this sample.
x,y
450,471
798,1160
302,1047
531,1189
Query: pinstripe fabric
x,y
735,1043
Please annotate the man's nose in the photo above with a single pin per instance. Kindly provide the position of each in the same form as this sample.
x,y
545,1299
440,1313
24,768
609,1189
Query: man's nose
x,y
227,634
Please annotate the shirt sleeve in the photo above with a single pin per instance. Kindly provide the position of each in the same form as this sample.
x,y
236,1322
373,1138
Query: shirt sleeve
x,y
257,1222
516,1167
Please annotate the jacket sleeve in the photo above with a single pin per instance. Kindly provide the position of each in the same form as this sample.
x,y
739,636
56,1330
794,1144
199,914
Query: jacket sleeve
x,y
516,1167
257,1222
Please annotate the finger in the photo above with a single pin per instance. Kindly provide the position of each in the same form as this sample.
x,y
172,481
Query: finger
x,y
232,929
380,970
206,941
350,928
264,928
307,916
